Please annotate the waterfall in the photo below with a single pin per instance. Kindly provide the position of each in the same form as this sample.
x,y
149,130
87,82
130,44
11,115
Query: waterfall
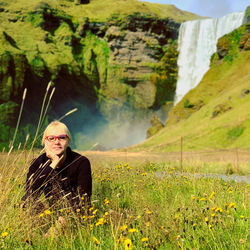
x,y
196,44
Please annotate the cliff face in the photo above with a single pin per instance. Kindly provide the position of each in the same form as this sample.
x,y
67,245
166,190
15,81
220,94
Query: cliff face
x,y
119,70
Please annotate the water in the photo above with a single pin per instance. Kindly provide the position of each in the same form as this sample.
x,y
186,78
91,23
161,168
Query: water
x,y
196,44
227,178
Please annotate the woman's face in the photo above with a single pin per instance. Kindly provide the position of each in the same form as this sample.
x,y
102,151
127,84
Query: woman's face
x,y
55,140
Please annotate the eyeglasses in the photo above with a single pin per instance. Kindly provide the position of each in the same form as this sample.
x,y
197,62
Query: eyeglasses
x,y
52,138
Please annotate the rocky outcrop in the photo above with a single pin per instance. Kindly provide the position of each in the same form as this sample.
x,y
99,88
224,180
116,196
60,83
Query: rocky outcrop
x,y
156,126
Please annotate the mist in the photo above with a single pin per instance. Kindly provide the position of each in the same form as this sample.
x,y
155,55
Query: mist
x,y
90,130
109,135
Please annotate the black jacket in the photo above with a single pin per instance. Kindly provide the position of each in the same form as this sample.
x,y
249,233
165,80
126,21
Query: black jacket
x,y
71,182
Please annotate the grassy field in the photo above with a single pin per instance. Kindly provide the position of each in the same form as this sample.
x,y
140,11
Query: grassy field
x,y
139,201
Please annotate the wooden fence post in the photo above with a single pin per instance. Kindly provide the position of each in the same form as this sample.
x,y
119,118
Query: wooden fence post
x,y
181,154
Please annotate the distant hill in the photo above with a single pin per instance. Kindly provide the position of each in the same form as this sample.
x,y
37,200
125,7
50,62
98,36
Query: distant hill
x,y
98,10
215,114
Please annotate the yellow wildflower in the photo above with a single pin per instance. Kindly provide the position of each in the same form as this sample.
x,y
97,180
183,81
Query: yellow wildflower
x,y
144,239
95,211
213,214
106,201
211,195
132,230
206,219
4,234
218,209
128,244
231,205
124,227
96,241
41,215
148,224
101,221
203,199
47,212
148,211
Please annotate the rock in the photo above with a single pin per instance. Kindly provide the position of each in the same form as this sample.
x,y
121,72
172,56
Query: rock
x,y
245,42
220,109
82,1
244,92
157,125
223,46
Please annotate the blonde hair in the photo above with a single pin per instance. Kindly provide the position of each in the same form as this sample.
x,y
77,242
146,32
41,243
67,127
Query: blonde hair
x,y
56,124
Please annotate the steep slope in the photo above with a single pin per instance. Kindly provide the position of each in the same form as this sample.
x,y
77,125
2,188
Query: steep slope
x,y
216,114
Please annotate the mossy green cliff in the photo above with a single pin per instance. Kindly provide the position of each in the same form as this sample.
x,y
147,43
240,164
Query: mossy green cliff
x,y
117,66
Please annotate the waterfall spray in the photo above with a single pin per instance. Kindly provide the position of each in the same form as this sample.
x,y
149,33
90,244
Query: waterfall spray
x,y
196,44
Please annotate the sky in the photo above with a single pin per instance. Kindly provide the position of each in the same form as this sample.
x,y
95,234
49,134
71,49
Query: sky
x,y
209,8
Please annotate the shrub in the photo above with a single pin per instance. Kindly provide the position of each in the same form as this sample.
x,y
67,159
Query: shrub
x,y
234,133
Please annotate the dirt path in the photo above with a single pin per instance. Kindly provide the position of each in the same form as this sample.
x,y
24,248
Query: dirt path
x,y
232,156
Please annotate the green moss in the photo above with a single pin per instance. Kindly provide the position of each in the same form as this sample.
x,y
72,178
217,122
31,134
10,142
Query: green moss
x,y
156,126
165,76
12,72
234,133
8,111
38,66
95,56
230,44
187,104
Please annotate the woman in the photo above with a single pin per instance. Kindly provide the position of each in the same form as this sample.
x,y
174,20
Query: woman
x,y
60,173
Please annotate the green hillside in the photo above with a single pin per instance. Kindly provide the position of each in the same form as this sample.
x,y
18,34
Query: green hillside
x,y
215,114
99,10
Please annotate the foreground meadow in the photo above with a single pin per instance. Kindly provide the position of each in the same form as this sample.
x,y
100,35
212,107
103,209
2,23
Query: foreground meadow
x,y
135,204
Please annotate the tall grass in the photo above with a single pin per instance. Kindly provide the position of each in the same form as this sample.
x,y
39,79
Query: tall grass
x,y
134,206
140,205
